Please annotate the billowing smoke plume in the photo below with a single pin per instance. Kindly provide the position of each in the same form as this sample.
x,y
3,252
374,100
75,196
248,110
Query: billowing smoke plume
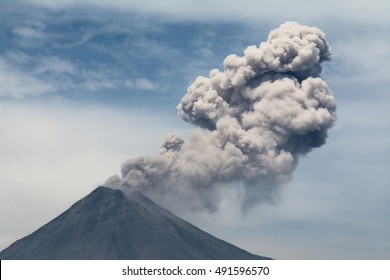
x,y
258,115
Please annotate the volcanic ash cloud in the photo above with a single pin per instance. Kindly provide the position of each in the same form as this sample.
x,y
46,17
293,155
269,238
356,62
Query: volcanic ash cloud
x,y
257,117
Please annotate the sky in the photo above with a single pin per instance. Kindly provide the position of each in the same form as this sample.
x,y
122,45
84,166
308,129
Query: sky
x,y
85,85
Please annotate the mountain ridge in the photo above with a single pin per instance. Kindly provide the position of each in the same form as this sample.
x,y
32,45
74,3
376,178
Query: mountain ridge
x,y
109,224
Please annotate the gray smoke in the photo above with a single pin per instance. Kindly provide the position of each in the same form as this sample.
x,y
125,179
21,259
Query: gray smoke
x,y
258,115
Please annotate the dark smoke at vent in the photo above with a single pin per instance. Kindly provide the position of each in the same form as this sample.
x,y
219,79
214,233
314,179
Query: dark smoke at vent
x,y
258,116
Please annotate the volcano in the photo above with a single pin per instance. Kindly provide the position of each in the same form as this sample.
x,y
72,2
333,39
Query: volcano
x,y
109,224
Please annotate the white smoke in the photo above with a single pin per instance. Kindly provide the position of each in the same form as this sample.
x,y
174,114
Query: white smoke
x,y
258,116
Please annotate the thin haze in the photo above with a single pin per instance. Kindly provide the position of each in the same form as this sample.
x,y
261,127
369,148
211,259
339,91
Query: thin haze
x,y
259,115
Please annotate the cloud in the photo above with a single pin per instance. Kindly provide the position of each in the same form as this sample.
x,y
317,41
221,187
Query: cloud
x,y
96,85
366,61
15,83
244,10
55,65
29,33
27,76
141,83
17,57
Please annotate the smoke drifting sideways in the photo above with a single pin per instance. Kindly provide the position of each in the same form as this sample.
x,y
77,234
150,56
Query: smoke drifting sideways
x,y
256,118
